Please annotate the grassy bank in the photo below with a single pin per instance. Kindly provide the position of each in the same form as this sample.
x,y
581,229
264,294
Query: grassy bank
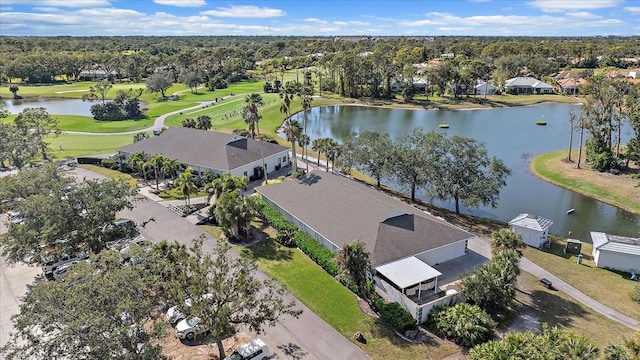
x,y
620,191
611,288
559,309
327,298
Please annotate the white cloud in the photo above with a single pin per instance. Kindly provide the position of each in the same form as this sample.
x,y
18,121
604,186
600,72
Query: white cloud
x,y
352,22
315,21
245,11
633,9
563,5
583,15
181,3
46,9
60,3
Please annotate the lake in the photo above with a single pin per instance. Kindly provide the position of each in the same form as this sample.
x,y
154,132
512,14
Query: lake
x,y
53,106
509,134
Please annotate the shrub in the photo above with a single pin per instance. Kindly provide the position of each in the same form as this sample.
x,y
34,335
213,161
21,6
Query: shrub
x,y
465,324
110,164
317,252
396,315
635,294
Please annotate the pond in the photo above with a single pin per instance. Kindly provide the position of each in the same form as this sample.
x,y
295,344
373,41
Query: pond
x,y
509,134
53,106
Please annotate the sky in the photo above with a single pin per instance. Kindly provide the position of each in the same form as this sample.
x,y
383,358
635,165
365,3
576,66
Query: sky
x,y
320,17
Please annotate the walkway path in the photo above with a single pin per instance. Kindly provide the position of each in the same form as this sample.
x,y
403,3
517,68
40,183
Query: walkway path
x,y
482,247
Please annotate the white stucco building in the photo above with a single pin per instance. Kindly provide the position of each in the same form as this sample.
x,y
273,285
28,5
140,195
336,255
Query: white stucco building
x,y
615,252
534,229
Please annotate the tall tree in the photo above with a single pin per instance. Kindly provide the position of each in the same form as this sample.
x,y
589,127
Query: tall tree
x,y
506,239
98,312
416,158
159,81
250,112
239,299
292,131
467,175
156,163
373,153
39,124
136,162
234,213
98,91
203,122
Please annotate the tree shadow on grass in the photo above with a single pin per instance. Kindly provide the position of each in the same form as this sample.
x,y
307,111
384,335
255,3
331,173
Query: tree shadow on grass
x,y
381,329
268,249
554,309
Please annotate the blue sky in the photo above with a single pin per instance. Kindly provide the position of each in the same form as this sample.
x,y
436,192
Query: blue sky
x,y
320,17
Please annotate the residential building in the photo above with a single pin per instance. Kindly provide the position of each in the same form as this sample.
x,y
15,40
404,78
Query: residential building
x,y
205,150
534,229
415,256
527,85
615,252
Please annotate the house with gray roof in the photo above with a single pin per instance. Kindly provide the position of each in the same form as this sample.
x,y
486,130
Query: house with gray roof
x,y
527,85
615,252
534,229
414,255
206,150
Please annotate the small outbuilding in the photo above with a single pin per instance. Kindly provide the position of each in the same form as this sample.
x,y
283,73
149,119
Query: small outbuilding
x,y
573,246
615,252
534,229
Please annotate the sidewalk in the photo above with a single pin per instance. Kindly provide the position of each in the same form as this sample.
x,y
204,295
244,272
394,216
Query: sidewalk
x,y
482,247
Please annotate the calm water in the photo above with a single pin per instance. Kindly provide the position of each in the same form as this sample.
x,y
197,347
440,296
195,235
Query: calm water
x,y
53,106
509,134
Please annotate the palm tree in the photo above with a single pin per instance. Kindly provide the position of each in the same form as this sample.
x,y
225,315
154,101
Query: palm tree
x,y
506,239
332,149
186,183
170,167
234,212
203,122
250,112
285,106
137,161
223,184
156,163
318,146
304,140
292,130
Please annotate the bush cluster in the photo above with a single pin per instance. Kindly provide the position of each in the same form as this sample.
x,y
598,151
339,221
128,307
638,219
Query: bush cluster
x,y
289,235
317,252
465,324
635,294
110,164
396,315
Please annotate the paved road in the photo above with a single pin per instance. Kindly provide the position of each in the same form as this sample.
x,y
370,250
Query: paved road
x,y
308,337
483,247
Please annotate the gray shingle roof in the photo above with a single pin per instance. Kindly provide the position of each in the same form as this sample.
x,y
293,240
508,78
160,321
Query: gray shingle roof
x,y
212,150
615,243
534,222
526,81
343,210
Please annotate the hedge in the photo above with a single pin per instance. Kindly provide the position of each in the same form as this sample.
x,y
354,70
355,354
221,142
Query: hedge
x,y
290,235
396,315
317,252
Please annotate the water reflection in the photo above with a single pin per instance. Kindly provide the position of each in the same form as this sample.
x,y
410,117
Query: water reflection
x,y
509,134
53,106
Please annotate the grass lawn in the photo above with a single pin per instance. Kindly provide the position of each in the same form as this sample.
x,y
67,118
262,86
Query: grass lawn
x,y
608,287
334,303
561,310
175,194
112,174
616,190
74,145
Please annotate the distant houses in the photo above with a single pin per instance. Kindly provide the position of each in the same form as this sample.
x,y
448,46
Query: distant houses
x,y
526,85
615,252
414,254
534,229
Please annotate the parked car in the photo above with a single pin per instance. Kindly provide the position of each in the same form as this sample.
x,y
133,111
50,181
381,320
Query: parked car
x,y
189,328
58,265
253,350
174,314
14,217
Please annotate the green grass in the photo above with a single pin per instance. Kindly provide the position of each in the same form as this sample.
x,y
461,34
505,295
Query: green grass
x,y
561,310
544,165
334,303
175,194
112,174
611,288
74,145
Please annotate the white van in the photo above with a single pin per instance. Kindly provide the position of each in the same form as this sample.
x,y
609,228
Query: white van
x,y
254,350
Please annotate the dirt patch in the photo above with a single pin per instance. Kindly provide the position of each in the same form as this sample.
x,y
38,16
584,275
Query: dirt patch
x,y
366,309
207,350
527,317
